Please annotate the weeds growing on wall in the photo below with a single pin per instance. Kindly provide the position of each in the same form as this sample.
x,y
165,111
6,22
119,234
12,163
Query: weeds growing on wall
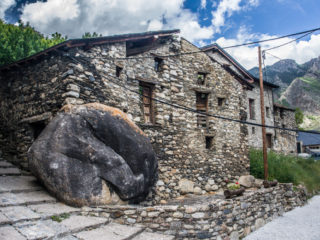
x,y
287,169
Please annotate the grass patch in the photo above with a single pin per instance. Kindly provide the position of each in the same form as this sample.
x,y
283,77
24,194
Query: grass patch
x,y
60,218
287,169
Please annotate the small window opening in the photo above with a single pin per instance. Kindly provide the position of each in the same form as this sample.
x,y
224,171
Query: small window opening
x,y
209,142
267,112
269,140
221,101
251,109
37,128
253,130
118,71
281,113
158,64
201,78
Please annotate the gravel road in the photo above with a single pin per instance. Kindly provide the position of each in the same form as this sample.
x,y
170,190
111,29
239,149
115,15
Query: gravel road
x,y
302,223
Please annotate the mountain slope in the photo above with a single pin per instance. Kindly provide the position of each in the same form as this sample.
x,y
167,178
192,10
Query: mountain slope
x,y
282,73
304,91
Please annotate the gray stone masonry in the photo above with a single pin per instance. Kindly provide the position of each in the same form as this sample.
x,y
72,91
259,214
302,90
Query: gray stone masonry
x,y
29,212
193,217
209,156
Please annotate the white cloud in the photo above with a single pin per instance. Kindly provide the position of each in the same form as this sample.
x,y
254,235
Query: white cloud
x,y
300,51
203,3
75,17
226,8
4,5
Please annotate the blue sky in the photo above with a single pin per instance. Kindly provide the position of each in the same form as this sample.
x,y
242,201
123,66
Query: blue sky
x,y
226,22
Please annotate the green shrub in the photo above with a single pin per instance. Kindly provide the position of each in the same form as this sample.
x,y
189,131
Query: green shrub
x,y
287,169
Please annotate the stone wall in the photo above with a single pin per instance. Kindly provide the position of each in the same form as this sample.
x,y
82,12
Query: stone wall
x,y
179,143
78,76
30,96
286,142
212,217
255,133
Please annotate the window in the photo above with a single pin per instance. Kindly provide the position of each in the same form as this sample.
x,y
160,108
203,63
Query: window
x,y
269,140
253,130
281,113
209,142
267,112
202,106
146,90
201,80
220,102
251,109
118,71
158,64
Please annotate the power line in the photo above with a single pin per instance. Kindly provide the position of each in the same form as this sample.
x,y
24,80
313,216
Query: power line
x,y
273,55
178,106
294,40
272,39
203,51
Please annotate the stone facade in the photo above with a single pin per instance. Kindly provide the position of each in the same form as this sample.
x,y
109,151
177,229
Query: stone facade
x,y
281,141
205,151
285,141
253,101
208,155
278,140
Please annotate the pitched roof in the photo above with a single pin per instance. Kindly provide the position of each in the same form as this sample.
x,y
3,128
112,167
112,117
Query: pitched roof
x,y
79,42
278,105
235,63
309,138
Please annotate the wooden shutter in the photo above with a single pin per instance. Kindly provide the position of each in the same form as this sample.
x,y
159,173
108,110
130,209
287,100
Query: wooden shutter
x,y
202,106
147,103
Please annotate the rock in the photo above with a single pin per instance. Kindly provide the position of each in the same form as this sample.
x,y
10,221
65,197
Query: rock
x,y
234,235
259,223
186,186
258,183
93,154
197,191
246,181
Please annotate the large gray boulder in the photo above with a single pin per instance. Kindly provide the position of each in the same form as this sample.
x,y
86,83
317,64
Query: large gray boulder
x,y
93,154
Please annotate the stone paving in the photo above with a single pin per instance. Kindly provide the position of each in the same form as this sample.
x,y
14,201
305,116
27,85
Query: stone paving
x,y
27,211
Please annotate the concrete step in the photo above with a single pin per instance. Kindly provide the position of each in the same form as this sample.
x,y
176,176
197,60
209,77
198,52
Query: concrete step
x,y
10,171
24,198
5,164
17,184
58,229
112,231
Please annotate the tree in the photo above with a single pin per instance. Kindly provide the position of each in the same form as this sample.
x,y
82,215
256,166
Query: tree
x,y
20,41
299,116
89,35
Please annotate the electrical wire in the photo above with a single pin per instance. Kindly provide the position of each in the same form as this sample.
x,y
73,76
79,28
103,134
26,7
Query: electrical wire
x,y
203,51
294,40
178,106
272,39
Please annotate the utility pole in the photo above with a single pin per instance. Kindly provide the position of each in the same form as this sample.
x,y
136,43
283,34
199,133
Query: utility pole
x,y
264,140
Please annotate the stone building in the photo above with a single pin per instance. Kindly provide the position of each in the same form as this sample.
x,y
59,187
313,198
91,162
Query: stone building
x,y
154,79
122,71
275,114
